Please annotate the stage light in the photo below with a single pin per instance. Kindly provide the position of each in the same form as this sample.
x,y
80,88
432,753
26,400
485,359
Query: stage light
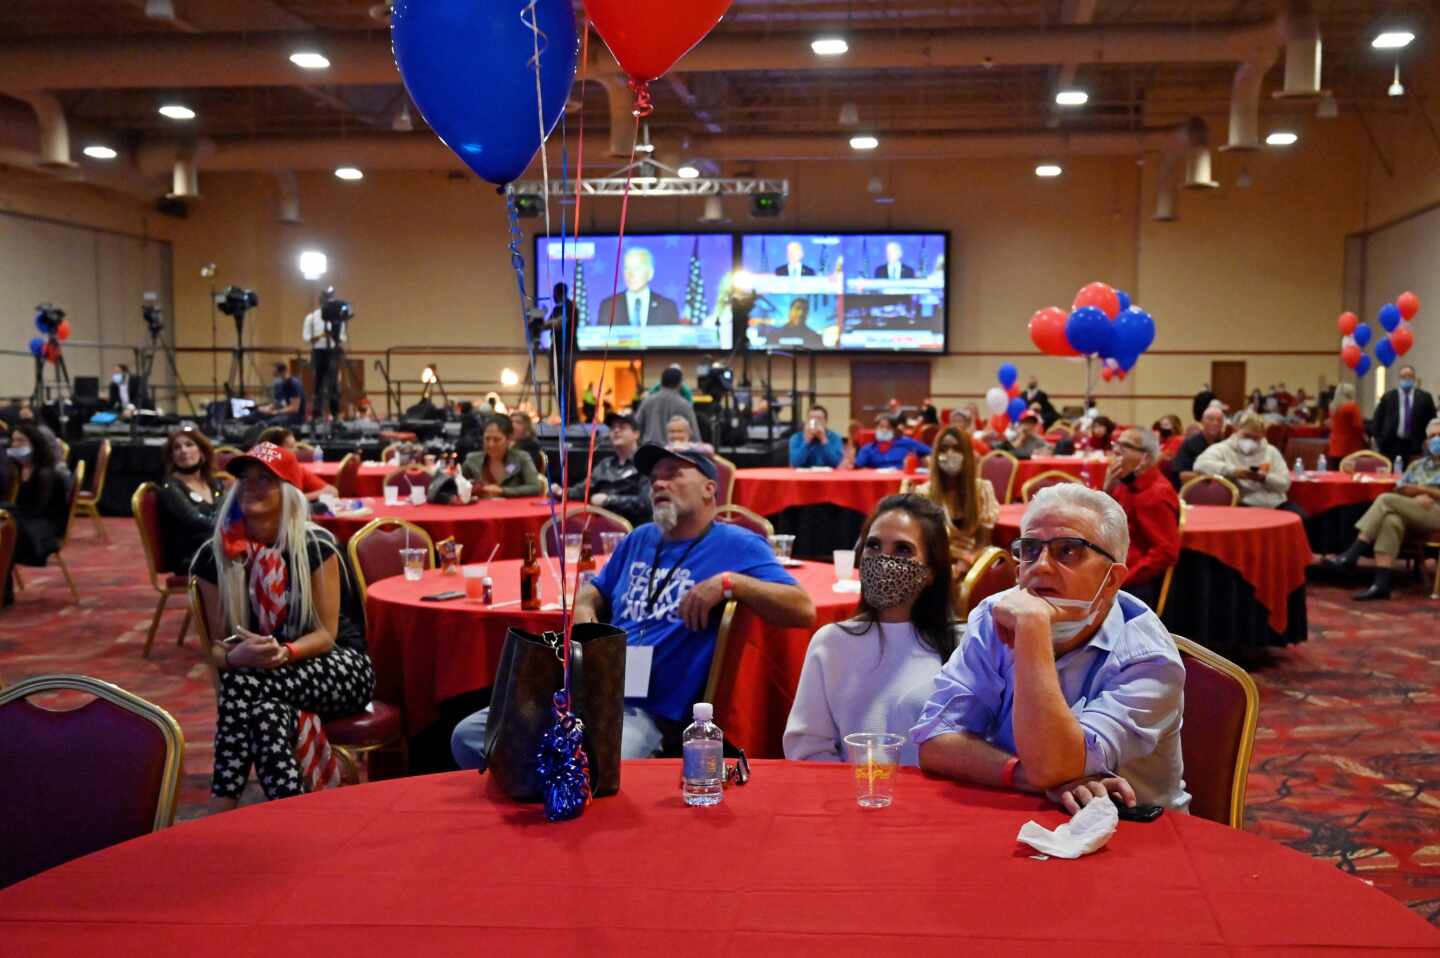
x,y
766,204
427,376
349,173
688,172
863,142
313,263
509,377
309,60
1282,138
529,206
1072,98
829,46
175,111
1048,170
98,152
1392,40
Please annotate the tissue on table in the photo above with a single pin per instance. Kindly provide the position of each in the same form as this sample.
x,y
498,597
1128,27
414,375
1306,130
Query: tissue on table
x,y
1087,832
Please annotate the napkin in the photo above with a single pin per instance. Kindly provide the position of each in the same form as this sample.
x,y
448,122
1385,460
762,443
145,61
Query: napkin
x,y
847,585
1086,832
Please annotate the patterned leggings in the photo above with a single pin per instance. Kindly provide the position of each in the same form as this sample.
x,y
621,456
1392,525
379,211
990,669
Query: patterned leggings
x,y
257,715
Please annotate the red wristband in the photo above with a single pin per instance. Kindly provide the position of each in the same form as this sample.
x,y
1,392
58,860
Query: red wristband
x,y
1007,774
290,647
726,586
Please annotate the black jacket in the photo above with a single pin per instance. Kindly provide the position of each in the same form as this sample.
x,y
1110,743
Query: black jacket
x,y
627,491
139,398
1385,425
41,510
187,521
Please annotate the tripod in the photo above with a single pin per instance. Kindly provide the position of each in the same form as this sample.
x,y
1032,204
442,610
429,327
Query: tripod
x,y
145,363
235,379
328,365
61,386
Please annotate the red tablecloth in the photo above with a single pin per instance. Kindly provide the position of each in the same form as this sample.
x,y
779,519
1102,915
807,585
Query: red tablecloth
x,y
371,479
1091,470
1267,547
427,652
770,491
477,526
1322,491
442,865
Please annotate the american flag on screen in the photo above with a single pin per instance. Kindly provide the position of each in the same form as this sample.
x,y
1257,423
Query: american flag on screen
x,y
924,258
695,289
582,297
865,255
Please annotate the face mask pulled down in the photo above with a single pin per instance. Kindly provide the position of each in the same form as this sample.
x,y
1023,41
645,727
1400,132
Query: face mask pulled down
x,y
1079,614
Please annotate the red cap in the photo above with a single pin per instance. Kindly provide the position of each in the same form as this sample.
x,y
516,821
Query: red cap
x,y
280,463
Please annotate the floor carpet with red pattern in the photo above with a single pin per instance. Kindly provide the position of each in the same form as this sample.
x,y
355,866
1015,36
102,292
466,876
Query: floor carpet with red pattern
x,y
1347,756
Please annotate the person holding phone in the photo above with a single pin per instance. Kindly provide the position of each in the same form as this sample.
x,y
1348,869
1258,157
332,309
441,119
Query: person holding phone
x,y
816,444
1255,466
290,617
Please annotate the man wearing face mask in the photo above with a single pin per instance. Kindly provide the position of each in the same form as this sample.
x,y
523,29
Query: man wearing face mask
x,y
890,449
1400,417
126,390
1411,508
1065,684
1152,512
1254,465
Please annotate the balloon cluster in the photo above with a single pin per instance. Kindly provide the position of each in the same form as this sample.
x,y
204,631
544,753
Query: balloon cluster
x,y
562,765
54,329
1102,322
1004,401
1394,318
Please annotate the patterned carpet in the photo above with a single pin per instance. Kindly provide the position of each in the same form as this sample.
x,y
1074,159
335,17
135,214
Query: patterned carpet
x,y
1347,758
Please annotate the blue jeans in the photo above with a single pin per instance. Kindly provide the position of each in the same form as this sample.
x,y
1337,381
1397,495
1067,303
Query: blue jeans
x,y
639,737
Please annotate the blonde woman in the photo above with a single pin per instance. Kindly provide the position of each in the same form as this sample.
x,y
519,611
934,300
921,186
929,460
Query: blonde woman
x,y
292,641
955,485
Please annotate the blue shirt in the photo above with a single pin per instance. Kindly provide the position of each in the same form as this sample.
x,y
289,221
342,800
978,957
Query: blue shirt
x,y
682,657
804,453
282,391
870,456
1126,688
1424,471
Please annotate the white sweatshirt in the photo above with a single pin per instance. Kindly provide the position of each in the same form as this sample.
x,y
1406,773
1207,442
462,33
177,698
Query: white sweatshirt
x,y
857,683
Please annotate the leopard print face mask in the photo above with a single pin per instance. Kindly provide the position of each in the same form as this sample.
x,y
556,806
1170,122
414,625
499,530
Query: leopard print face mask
x,y
888,581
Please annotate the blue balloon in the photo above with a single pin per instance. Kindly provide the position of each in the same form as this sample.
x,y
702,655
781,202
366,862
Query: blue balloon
x,y
1134,332
1017,408
37,347
1384,352
1390,318
1124,298
1126,361
1007,374
1361,335
467,67
1087,330
1363,366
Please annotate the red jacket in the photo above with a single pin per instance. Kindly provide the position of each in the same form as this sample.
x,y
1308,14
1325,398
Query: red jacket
x,y
1153,511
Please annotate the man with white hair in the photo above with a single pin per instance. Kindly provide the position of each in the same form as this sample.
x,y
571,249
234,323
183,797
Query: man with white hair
x,y
1256,467
1065,684
1152,511
639,304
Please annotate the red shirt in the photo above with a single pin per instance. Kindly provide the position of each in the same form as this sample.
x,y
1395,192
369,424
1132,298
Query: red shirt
x,y
309,482
1153,511
1347,431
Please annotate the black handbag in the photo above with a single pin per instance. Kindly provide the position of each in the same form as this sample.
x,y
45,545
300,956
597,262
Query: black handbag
x,y
522,705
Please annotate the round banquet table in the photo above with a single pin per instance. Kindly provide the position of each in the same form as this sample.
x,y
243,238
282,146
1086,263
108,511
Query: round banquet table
x,y
370,479
477,527
445,865
428,652
823,508
1092,471
1240,584
1334,501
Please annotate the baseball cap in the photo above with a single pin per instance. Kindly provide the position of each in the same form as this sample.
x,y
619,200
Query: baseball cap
x,y
280,463
651,453
1029,417
620,418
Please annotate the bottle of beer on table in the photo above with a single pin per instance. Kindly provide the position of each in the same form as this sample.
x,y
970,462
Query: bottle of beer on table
x,y
585,568
530,576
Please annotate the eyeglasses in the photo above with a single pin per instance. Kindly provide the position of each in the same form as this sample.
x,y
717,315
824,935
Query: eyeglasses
x,y
1066,550
1131,446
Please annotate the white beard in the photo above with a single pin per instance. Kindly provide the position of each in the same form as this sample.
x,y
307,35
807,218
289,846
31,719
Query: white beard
x,y
666,517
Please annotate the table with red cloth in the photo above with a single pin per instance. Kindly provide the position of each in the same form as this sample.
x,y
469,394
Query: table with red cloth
x,y
1333,501
1092,471
477,526
370,479
1240,582
823,508
428,652
444,865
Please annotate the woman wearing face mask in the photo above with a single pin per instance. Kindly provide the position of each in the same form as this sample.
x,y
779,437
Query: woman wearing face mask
x,y
1171,435
968,500
890,449
188,498
42,501
1098,437
1250,462
502,470
874,672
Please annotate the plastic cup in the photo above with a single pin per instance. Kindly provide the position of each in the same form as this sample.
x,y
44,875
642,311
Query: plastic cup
x,y
844,564
417,495
414,560
474,581
782,544
572,548
875,762
392,495
610,541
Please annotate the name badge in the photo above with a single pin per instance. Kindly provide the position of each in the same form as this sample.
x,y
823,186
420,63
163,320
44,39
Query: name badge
x,y
637,670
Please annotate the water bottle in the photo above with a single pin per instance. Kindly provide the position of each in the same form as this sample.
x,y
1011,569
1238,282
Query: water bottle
x,y
1322,466
1399,465
1299,467
703,748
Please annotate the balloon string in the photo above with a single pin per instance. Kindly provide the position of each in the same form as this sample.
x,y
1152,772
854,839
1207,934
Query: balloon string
x,y
533,22
643,105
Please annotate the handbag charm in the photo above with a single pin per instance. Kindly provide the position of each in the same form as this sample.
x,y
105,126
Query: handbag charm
x,y
560,760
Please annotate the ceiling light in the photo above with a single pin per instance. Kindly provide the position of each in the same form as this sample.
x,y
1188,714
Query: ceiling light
x,y
829,46
403,123
1072,98
688,172
309,60
1243,181
849,114
1392,40
509,377
1282,138
1048,170
313,263
1396,87
1328,108
863,142
175,111
98,152
349,173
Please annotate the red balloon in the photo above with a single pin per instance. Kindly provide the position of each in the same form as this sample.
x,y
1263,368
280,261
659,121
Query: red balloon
x,y
1347,323
1350,355
52,352
1402,339
1408,304
1107,373
1013,391
1120,375
1099,295
62,332
647,37
999,422
1047,332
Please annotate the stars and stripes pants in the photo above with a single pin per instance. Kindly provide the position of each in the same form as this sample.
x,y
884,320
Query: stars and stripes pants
x,y
257,717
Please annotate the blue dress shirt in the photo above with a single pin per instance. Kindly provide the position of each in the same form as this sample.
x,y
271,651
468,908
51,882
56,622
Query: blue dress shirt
x,y
804,453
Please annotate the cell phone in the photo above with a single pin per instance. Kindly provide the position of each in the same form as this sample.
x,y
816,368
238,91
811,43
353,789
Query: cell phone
x,y
442,596
231,640
1136,813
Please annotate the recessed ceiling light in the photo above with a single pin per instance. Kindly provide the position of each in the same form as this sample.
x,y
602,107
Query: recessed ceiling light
x,y
1396,87
1048,170
175,111
1282,138
309,60
349,173
829,46
1072,98
863,142
1392,40
98,152
688,172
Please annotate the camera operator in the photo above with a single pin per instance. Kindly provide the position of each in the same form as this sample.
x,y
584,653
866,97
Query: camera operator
x,y
287,399
324,330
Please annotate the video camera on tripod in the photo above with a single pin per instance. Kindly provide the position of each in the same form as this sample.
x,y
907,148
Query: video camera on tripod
x,y
48,318
235,302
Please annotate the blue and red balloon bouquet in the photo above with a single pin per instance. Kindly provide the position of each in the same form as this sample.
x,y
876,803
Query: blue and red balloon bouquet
x,y
54,329
1004,401
1394,318
1102,323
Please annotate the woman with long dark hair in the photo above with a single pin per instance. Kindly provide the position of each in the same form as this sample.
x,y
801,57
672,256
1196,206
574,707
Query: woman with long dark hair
x,y
874,672
500,469
956,486
42,499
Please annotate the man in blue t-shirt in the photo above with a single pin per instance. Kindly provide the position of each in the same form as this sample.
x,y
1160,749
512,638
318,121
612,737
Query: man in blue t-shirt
x,y
890,449
817,445
665,586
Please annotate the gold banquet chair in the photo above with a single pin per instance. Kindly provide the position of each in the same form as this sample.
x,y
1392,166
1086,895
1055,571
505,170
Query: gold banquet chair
x,y
87,501
145,507
1050,477
1222,708
1365,460
1206,490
